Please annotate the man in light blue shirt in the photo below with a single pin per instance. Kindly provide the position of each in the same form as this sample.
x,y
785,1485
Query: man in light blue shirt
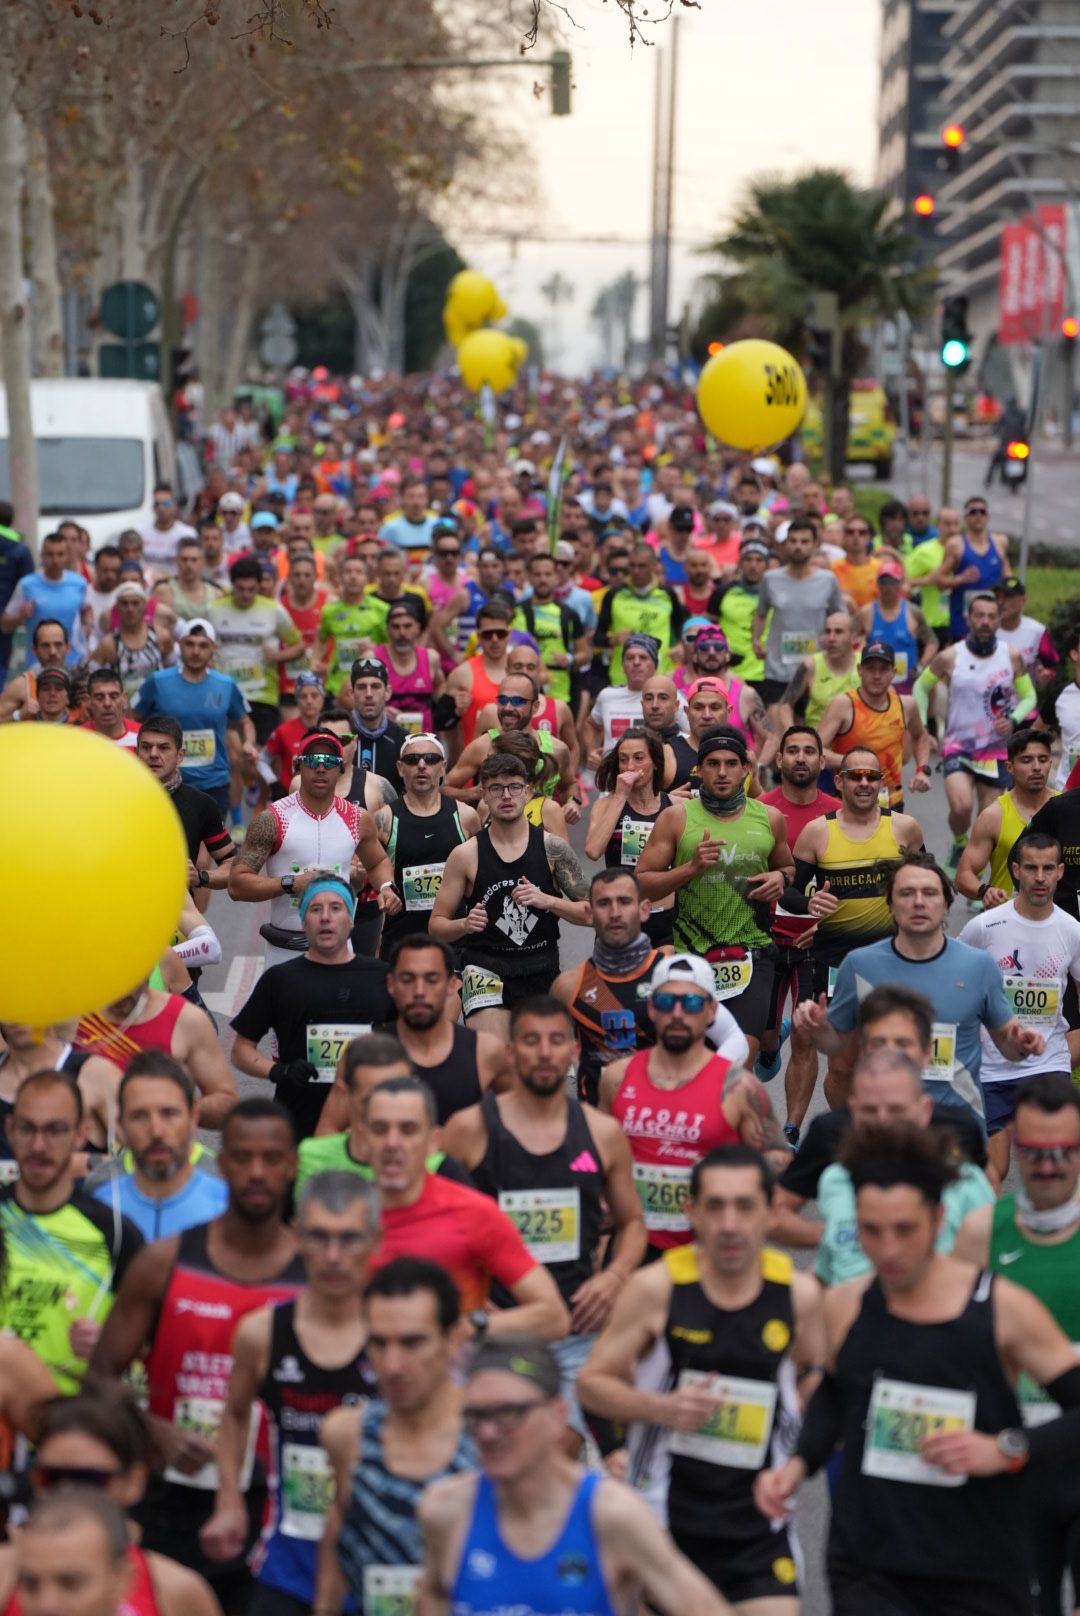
x,y
886,1088
163,1182
411,528
205,703
53,591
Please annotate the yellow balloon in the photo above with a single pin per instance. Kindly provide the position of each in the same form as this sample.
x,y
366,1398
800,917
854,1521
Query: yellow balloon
x,y
752,395
93,878
455,327
487,356
473,297
520,349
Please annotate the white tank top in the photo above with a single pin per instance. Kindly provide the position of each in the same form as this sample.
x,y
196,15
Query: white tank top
x,y
981,689
306,841
1067,712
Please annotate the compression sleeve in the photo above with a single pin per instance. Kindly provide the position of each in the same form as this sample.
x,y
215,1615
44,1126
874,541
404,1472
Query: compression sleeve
x,y
921,689
728,1037
1058,1439
1025,689
200,947
821,1425
804,874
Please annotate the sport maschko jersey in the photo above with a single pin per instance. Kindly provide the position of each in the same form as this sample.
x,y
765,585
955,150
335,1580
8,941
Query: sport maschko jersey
x,y
307,841
1037,959
981,689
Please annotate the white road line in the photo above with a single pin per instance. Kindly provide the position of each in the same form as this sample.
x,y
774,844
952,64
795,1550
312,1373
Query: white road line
x,y
244,972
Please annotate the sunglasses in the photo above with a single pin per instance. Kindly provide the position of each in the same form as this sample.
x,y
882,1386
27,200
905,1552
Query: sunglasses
x,y
503,1417
857,532
323,1239
864,776
618,572
47,1477
511,701
320,760
493,634
368,665
691,1003
1052,1155
432,759
978,510
450,553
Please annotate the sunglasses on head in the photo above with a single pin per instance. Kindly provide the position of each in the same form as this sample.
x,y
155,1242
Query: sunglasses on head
x,y
691,1003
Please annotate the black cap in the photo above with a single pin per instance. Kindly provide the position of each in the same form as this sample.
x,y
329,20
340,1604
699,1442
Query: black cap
x,y
681,519
1010,586
369,668
880,650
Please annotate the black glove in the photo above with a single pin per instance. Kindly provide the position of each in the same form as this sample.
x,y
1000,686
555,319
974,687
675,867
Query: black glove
x,y
294,1075
444,713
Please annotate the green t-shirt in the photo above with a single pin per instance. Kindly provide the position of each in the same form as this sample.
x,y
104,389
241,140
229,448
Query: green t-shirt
x,y
924,559
735,615
712,907
347,624
641,614
329,1152
840,1255
242,635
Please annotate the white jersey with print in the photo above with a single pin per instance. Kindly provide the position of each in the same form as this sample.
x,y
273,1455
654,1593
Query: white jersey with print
x,y
980,690
1036,958
307,841
1067,713
1024,638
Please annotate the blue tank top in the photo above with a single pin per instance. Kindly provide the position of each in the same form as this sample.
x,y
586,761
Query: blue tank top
x,y
990,568
566,1581
899,636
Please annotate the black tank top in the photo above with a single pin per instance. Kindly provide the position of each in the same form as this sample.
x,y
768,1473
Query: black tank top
x,y
630,835
612,1016
685,758
515,942
455,1081
555,1199
896,1380
418,847
367,903
712,1473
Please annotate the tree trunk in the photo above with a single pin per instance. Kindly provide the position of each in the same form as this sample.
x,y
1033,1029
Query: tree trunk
x,y
243,314
43,258
14,312
211,302
839,388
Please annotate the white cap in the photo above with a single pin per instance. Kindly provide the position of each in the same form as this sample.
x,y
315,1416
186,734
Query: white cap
x,y
131,590
763,467
684,969
526,466
201,625
231,502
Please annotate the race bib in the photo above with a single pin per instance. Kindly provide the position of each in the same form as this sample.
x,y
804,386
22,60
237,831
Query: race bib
x,y
1037,1003
899,1416
736,1434
480,990
901,671
411,723
831,987
390,1590
200,748
793,647
326,1040
662,1192
549,1222
347,650
985,768
732,976
249,676
635,833
203,1414
307,1487
420,885
942,1052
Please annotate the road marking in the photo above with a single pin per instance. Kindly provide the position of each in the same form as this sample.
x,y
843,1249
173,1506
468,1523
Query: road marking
x,y
244,972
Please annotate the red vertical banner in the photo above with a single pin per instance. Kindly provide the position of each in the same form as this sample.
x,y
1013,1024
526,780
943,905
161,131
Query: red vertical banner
x,y
1032,279
1011,284
1052,229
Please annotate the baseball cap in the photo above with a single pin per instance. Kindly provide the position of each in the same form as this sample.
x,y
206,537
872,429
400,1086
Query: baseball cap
x,y
319,743
307,681
891,569
263,519
524,468
196,625
231,502
681,519
565,551
720,507
881,649
763,466
425,738
369,667
445,527
54,676
684,969
754,524
713,633
1010,586
131,591
697,625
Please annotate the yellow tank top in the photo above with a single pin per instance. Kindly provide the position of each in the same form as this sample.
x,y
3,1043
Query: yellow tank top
x,y
1012,826
855,871
534,810
883,733
826,685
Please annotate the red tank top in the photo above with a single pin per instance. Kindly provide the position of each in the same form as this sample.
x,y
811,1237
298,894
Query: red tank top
x,y
306,620
668,1130
484,689
97,1035
547,718
139,1598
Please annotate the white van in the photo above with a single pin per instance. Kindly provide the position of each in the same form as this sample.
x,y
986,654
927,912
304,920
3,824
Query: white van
x,y
101,447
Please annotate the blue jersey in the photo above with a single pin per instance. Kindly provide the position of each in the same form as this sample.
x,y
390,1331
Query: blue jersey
x,y
203,1197
989,567
964,986
566,1581
62,598
409,535
203,708
897,633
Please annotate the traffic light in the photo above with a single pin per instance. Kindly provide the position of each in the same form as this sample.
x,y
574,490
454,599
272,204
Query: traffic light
x,y
924,205
715,348
952,137
560,83
819,350
955,336
1070,328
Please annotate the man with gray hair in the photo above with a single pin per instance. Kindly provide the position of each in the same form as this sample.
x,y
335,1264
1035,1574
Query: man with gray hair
x,y
301,1359
887,1087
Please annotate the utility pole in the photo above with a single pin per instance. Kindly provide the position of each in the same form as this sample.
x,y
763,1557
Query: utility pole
x,y
665,108
947,437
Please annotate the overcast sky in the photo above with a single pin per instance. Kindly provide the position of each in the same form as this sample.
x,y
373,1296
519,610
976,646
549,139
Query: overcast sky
x,y
763,85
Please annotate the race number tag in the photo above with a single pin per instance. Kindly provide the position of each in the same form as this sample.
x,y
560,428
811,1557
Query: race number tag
x,y
203,1414
307,1486
635,833
480,990
326,1040
901,670
985,768
793,647
831,988
200,748
732,976
900,1415
1037,1003
736,1433
663,1192
420,884
390,1590
942,1052
249,676
411,723
549,1222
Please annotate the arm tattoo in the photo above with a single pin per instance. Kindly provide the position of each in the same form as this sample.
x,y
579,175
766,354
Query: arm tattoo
x,y
763,1129
565,868
383,821
796,686
758,718
259,842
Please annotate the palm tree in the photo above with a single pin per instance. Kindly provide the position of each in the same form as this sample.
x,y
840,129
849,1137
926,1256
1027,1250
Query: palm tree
x,y
818,233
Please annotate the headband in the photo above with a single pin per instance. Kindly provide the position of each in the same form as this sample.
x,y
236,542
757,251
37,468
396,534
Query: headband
x,y
722,740
329,883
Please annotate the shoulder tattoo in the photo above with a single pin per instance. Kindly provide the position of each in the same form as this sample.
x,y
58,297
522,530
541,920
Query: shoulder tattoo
x,y
565,867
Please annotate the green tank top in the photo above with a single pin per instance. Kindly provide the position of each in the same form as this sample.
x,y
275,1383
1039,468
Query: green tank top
x,y
826,685
737,610
1048,1272
547,628
712,909
329,1152
546,745
642,614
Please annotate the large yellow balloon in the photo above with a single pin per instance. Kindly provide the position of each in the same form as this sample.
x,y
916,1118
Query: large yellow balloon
x,y
93,868
487,356
473,298
752,395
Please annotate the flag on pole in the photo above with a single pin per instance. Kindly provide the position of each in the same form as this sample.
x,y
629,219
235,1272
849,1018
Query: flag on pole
x,y
554,495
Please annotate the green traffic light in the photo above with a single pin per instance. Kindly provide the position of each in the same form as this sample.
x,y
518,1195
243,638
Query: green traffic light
x,y
953,353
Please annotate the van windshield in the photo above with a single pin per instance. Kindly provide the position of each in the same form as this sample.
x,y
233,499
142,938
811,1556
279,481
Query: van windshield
x,y
84,476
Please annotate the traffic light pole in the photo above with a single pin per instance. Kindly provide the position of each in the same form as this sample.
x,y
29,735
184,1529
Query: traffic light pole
x,y
947,438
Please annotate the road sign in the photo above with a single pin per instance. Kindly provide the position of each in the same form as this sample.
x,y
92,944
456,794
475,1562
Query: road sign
x,y
277,337
140,361
130,310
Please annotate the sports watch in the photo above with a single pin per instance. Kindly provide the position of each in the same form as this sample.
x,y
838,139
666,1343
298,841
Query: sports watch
x,y
288,882
1014,1447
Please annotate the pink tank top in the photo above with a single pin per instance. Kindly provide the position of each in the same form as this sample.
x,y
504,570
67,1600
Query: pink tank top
x,y
410,693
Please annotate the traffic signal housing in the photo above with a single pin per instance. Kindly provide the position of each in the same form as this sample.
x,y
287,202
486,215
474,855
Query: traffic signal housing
x,y
923,205
952,138
955,335
1070,328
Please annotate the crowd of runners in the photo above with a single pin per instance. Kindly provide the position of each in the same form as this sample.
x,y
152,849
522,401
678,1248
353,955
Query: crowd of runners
x,y
577,770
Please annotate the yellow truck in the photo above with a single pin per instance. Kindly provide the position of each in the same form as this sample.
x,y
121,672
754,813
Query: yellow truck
x,y
871,433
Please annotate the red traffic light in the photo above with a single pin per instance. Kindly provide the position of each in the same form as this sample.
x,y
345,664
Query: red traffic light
x,y
924,205
715,348
953,135
1070,327
1017,449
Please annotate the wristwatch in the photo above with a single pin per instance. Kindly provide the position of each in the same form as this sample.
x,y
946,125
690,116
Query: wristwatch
x,y
923,768
1014,1447
204,878
288,882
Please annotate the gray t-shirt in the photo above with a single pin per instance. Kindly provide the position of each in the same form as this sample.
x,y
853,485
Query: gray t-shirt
x,y
800,607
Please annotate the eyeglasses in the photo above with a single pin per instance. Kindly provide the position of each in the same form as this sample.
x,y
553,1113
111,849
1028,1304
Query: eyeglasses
x,y
323,1239
978,510
862,776
493,634
691,1003
511,701
451,553
1051,1155
503,1417
320,760
505,788
858,532
432,759
47,1477
51,1130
